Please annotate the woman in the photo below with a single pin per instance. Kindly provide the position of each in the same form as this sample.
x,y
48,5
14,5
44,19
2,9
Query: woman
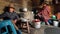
x,y
10,14
45,12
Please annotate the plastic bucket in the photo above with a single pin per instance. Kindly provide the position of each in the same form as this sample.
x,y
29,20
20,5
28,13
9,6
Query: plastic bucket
x,y
55,23
37,25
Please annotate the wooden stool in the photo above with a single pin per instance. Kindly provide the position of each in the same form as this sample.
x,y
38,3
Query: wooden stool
x,y
26,24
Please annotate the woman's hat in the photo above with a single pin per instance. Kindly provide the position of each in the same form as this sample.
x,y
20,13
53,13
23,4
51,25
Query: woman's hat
x,y
46,2
12,7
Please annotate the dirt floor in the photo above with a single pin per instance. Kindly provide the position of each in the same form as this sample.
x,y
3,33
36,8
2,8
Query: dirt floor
x,y
37,31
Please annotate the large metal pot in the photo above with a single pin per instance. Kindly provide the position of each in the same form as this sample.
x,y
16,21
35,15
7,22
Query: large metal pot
x,y
23,20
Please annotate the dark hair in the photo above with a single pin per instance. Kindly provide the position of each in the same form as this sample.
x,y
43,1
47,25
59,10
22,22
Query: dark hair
x,y
6,9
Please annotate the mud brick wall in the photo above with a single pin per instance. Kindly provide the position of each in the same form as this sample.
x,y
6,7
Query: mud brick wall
x,y
4,3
